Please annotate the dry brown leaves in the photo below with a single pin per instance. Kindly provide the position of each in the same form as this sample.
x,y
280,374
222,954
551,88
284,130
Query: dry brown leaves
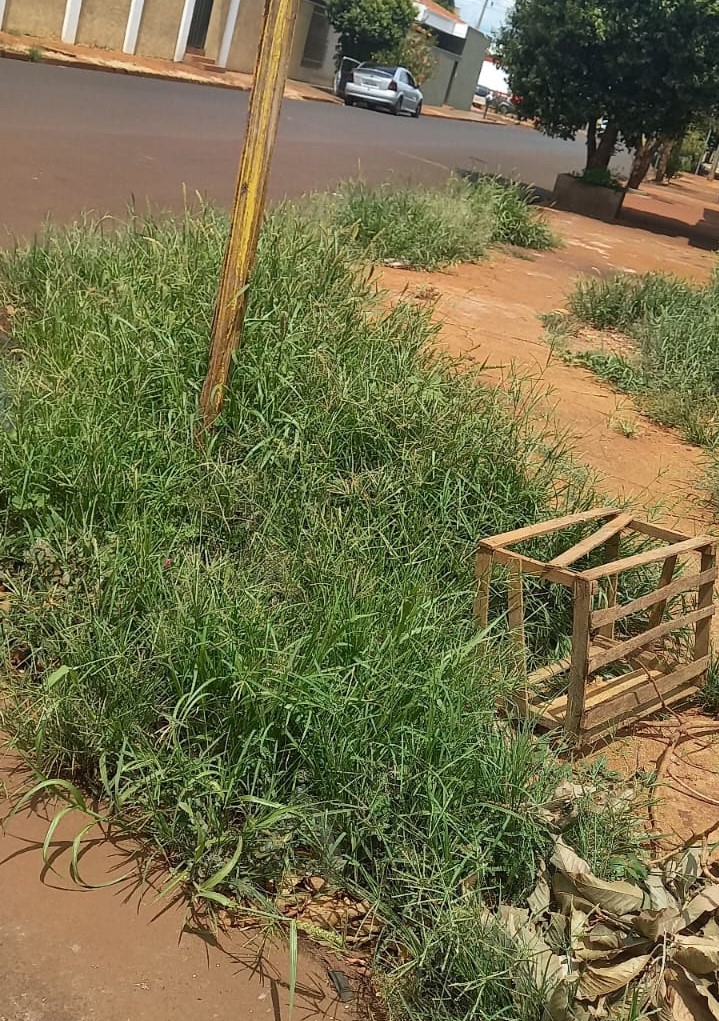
x,y
315,906
318,909
588,943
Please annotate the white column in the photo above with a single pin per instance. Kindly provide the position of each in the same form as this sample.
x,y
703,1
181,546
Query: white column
x,y
72,17
224,54
134,18
2,13
187,11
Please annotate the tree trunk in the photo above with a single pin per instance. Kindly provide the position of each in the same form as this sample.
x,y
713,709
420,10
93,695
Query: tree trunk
x,y
661,171
591,140
603,150
642,161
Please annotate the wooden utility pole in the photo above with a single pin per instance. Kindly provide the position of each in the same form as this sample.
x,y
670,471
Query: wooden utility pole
x,y
270,75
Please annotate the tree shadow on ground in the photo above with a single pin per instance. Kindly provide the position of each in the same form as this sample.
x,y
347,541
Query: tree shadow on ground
x,y
703,234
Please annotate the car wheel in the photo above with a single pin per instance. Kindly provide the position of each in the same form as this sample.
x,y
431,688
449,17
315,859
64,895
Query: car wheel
x,y
397,108
418,111
349,102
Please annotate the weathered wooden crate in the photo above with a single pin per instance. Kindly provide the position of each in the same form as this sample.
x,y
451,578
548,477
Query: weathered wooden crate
x,y
592,706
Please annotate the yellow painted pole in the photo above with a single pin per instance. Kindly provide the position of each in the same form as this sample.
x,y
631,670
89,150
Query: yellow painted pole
x,y
270,76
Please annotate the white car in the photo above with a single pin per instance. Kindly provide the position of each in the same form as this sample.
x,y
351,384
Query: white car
x,y
392,88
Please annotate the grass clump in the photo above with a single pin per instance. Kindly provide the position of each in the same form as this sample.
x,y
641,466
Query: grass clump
x,y
673,323
260,654
426,228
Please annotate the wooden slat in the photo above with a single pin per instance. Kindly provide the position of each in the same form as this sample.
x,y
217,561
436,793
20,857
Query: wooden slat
x,y
623,649
606,731
613,726
516,628
483,574
546,527
650,556
602,642
705,601
649,693
612,551
546,673
560,575
579,670
644,660
561,666
657,532
687,583
581,549
665,579
616,703
558,705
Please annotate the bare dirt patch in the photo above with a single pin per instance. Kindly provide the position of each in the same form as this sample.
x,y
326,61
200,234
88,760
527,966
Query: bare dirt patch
x,y
76,954
491,312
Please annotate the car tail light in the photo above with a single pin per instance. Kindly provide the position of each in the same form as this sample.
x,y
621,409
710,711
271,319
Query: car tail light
x,y
392,86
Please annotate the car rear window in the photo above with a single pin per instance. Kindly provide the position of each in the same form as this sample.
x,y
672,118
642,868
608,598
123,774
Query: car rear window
x,y
380,70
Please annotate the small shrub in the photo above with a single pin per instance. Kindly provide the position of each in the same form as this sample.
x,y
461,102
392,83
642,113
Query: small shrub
x,y
600,177
675,327
624,300
426,228
613,368
515,222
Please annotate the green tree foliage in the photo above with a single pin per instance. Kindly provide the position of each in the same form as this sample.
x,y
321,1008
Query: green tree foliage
x,y
447,4
648,66
368,27
415,52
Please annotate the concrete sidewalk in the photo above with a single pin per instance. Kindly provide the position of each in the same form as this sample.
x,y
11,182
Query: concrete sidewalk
x,y
50,51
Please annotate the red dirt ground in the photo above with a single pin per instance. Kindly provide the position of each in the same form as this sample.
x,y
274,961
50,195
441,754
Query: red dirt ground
x,y
490,312
121,954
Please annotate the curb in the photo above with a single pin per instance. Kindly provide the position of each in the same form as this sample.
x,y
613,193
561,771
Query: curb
x,y
57,58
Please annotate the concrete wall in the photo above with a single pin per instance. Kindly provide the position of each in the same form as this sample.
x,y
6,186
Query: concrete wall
x,y
324,75
246,36
464,82
435,89
317,75
159,27
34,17
103,23
216,28
304,17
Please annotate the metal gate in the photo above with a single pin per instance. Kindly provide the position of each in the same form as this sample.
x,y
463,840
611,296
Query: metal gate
x,y
197,36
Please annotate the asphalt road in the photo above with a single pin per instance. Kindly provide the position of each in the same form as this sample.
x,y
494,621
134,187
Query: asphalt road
x,y
74,140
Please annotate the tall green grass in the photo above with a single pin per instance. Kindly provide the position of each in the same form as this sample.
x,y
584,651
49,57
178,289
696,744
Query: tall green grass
x,y
675,324
427,228
260,654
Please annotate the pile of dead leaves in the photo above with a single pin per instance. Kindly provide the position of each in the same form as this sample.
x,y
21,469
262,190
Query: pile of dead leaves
x,y
314,905
598,949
